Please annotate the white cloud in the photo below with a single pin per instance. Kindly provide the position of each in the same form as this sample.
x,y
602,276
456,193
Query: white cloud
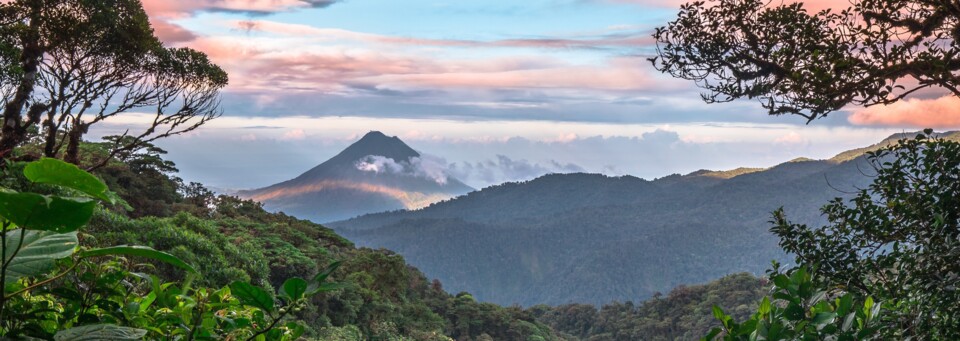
x,y
296,134
427,168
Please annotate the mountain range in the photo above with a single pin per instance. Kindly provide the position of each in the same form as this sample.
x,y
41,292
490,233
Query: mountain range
x,y
593,238
375,174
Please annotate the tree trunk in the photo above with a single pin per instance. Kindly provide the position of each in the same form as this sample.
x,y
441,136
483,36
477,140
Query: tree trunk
x,y
73,144
14,130
50,142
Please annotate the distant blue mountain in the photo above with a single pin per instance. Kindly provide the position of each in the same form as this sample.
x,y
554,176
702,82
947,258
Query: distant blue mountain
x,y
591,238
375,174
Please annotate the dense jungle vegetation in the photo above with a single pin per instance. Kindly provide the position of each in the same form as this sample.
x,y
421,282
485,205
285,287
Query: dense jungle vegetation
x,y
377,294
130,252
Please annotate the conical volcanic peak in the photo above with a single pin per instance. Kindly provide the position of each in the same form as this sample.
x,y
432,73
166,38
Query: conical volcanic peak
x,y
375,174
375,143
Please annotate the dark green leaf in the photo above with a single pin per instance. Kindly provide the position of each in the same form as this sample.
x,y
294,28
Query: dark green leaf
x,y
139,251
38,252
322,276
48,213
712,334
824,318
294,288
252,296
53,171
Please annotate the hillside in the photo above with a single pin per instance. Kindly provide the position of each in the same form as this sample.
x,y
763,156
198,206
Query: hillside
x,y
682,314
229,239
591,238
384,298
377,173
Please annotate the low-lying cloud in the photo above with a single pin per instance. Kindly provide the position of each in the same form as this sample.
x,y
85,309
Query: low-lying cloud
x,y
505,169
418,167
493,171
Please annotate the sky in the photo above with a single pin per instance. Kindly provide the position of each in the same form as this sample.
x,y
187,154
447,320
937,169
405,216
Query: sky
x,y
492,91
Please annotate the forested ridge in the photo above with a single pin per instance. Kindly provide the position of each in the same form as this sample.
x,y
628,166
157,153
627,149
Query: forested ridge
x,y
382,297
230,239
102,241
590,238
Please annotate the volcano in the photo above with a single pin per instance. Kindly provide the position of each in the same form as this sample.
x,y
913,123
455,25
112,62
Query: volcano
x,y
375,174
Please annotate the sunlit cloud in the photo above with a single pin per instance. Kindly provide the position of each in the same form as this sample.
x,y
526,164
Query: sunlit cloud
x,y
163,12
943,112
617,37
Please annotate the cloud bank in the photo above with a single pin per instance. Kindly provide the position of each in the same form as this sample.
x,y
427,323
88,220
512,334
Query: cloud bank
x,y
418,167
943,112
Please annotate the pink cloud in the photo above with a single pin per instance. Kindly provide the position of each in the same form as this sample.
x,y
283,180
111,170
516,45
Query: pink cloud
x,y
162,12
790,138
637,39
253,66
170,33
617,74
296,134
179,8
943,112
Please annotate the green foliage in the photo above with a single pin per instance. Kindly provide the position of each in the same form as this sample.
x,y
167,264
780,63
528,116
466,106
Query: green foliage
x,y
801,310
56,172
896,240
810,64
377,295
31,253
89,300
683,314
617,238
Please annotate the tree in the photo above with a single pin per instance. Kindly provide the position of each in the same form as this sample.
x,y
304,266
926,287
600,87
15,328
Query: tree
x,y
80,62
897,240
44,265
810,64
801,310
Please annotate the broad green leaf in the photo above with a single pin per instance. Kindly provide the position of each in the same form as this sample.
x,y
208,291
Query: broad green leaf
x,y
294,288
252,296
747,327
720,316
782,281
712,334
817,297
38,252
848,321
48,213
100,332
793,312
139,251
53,171
296,330
824,318
844,304
875,311
867,308
765,306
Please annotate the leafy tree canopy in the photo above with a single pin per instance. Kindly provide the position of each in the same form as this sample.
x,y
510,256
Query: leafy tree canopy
x,y
810,64
898,240
66,65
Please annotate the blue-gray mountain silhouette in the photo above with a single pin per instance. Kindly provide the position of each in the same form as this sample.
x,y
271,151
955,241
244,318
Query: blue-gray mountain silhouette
x,y
339,189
